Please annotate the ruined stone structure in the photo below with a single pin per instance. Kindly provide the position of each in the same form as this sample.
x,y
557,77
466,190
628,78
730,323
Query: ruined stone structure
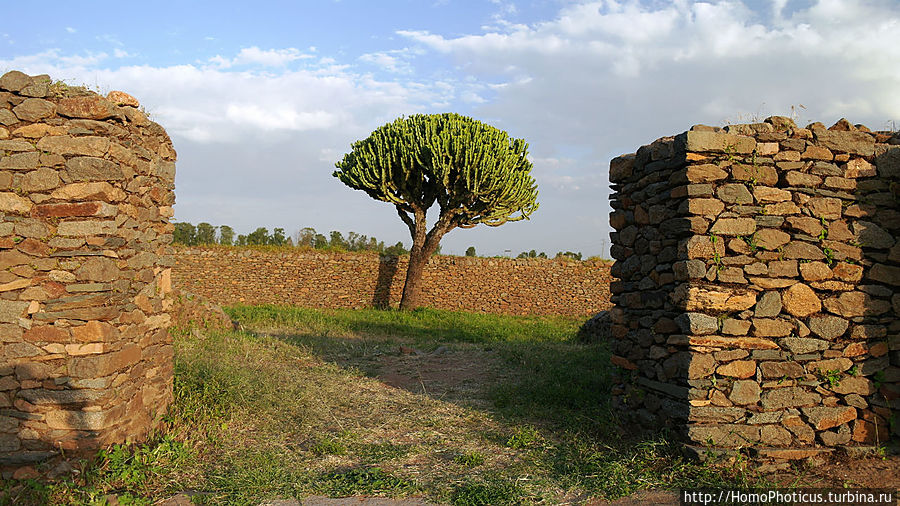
x,y
756,302
357,280
86,189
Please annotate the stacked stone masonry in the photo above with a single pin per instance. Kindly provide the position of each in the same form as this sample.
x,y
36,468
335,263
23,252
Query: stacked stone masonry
x,y
357,280
86,193
755,286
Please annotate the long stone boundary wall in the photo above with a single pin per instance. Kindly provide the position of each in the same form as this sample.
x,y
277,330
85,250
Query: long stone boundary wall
x,y
756,302
86,192
358,280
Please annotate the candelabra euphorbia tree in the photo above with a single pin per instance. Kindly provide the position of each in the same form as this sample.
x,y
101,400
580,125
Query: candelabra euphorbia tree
x,y
474,172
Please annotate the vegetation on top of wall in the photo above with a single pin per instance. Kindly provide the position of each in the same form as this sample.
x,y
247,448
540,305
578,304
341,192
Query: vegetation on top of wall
x,y
205,234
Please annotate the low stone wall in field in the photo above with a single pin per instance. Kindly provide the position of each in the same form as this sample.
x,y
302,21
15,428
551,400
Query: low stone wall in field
x,y
756,302
86,189
357,280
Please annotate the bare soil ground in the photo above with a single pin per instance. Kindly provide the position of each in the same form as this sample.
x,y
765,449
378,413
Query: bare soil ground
x,y
465,374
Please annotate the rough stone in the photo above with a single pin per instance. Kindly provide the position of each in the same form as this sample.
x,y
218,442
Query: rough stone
x,y
15,81
705,173
85,168
769,327
40,180
887,274
734,193
768,305
704,207
770,195
774,435
852,304
824,418
840,364
828,327
724,435
12,203
800,300
738,369
781,370
855,143
697,323
788,397
696,298
888,163
854,385
734,327
825,207
122,98
89,191
34,109
703,247
699,141
744,393
803,251
88,107
815,271
848,272
734,226
771,239
871,235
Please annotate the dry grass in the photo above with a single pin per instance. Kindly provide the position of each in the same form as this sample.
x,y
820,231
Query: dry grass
x,y
294,407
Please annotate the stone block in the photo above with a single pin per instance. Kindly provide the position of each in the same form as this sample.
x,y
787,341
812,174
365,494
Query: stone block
x,y
738,369
699,141
823,418
788,397
800,300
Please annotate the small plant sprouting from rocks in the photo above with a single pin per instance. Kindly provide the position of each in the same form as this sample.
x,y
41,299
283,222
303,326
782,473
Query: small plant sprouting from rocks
x,y
751,242
830,376
829,256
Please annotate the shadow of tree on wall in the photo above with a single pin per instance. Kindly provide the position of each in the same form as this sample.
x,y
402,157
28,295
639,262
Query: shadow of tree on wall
x,y
387,269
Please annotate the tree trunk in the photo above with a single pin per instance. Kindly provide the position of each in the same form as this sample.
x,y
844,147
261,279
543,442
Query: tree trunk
x,y
412,288
423,246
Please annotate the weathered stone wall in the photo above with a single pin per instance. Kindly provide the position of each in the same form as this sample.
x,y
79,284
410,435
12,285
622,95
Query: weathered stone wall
x,y
86,189
356,280
755,303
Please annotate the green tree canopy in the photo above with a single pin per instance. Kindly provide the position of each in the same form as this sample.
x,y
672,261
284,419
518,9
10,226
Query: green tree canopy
x,y
206,233
185,233
476,173
226,235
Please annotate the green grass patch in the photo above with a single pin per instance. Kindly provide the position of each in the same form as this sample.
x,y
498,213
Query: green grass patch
x,y
487,492
366,481
423,324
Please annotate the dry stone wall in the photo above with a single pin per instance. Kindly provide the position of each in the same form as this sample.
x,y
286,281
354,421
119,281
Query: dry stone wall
x,y
357,280
86,189
756,278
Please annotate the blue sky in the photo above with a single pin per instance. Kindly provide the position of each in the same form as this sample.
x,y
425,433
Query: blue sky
x,y
262,98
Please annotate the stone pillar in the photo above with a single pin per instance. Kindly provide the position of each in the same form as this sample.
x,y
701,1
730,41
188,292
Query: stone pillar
x,y
86,189
755,303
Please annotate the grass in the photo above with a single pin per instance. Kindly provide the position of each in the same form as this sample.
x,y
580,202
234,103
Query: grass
x,y
420,326
506,410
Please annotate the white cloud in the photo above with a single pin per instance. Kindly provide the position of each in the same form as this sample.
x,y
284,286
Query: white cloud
x,y
70,29
263,57
651,67
391,61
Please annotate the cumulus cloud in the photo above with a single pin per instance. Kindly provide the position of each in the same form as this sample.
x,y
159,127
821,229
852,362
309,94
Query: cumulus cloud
x,y
608,76
263,57
604,71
